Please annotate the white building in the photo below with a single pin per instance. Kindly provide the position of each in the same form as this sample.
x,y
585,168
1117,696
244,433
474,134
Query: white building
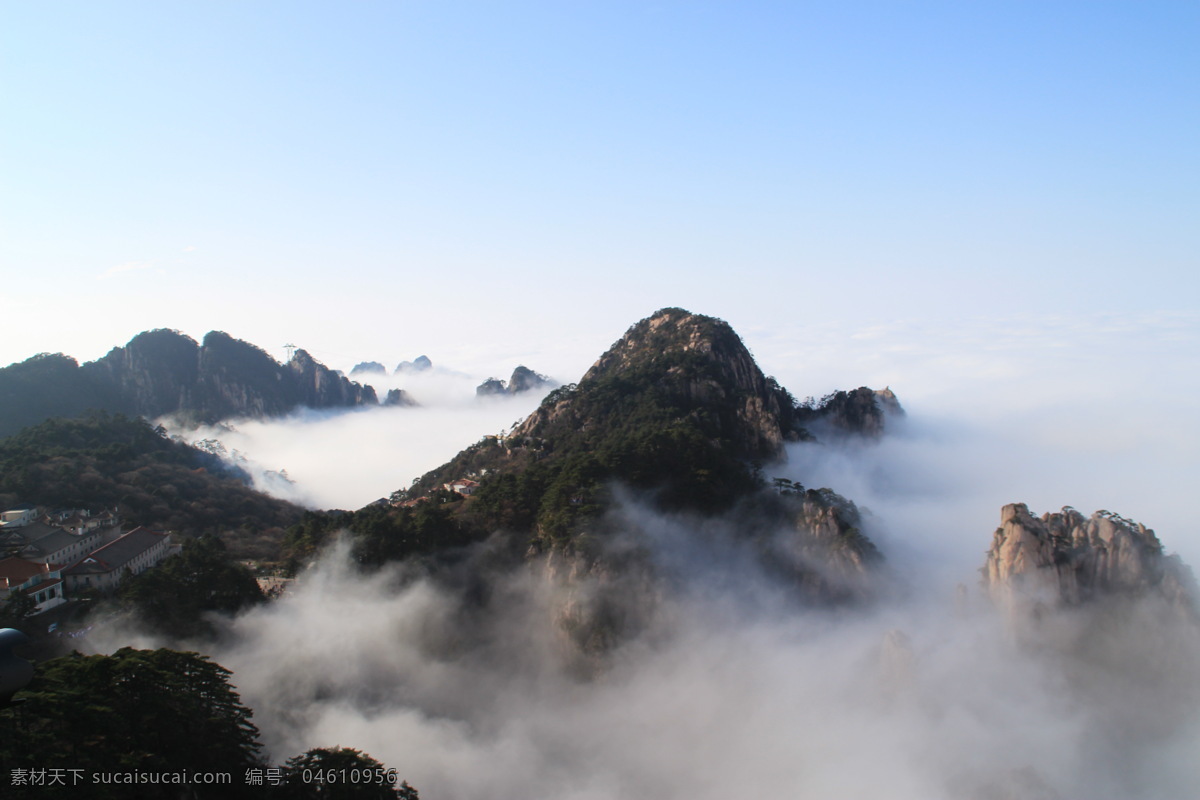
x,y
135,551
42,582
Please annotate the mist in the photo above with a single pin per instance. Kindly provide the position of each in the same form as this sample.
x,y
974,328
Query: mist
x,y
733,687
347,459
1095,411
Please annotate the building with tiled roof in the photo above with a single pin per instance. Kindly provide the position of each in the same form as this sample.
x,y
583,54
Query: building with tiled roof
x,y
134,552
42,582
12,540
59,546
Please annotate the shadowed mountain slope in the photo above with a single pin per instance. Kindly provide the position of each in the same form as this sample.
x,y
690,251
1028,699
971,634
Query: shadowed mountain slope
x,y
165,372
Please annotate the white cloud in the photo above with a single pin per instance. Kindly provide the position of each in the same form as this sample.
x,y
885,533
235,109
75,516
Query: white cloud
x,y
350,459
721,697
727,697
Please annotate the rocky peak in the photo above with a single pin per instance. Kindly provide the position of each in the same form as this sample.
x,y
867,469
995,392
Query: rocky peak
x,y
862,412
1064,558
162,372
695,365
523,380
399,397
492,387
157,370
320,387
418,364
368,368
671,332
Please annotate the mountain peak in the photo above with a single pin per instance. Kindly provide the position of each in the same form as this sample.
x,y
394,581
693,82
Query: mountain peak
x,y
1065,559
676,370
670,331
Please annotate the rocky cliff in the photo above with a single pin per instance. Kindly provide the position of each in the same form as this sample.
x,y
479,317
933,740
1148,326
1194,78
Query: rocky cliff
x,y
317,386
166,372
156,373
1064,559
1096,602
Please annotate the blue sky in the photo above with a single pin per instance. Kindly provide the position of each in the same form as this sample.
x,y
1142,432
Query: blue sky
x,y
395,176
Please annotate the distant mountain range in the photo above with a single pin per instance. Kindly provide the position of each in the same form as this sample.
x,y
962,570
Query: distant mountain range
x,y
523,380
419,364
166,372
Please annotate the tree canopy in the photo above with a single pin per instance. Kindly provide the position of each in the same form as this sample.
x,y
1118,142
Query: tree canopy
x,y
110,461
134,711
340,773
173,598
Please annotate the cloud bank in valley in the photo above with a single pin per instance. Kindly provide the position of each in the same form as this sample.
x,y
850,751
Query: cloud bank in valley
x,y
348,459
728,691
1094,411
732,689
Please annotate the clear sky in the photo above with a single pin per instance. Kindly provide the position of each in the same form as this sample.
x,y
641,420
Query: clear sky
x,y
383,179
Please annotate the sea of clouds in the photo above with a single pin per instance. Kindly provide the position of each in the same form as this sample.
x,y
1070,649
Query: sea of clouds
x,y
733,688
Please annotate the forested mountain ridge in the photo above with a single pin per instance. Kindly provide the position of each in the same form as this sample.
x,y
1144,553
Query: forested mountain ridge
x,y
676,407
166,372
677,417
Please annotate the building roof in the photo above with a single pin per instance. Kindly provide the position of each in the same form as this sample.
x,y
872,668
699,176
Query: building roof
x,y
56,540
44,585
15,571
116,554
27,533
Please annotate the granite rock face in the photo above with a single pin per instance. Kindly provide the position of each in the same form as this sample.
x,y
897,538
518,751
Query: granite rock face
x,y
317,386
157,373
1099,605
1064,559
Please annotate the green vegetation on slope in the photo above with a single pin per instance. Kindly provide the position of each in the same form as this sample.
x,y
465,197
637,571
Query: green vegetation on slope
x,y
173,598
676,411
109,461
